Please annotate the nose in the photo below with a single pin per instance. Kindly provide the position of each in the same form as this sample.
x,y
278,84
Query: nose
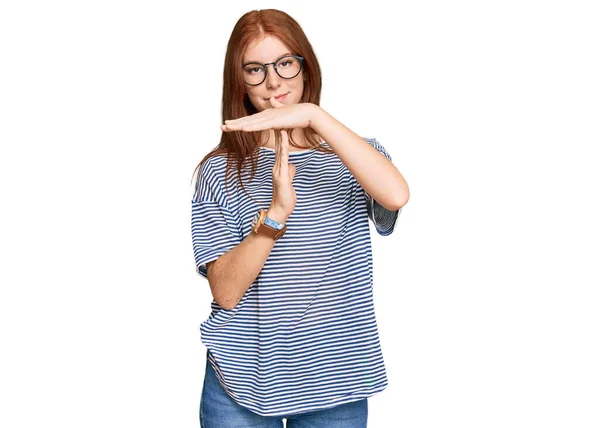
x,y
272,76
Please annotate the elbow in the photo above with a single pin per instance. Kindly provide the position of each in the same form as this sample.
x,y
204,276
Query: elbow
x,y
226,306
216,290
225,301
404,195
221,297
228,302
400,200
228,286
404,199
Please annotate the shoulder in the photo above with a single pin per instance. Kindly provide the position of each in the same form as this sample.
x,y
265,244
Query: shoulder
x,y
209,177
212,167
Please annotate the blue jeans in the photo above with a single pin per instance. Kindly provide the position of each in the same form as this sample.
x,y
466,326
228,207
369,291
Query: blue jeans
x,y
219,410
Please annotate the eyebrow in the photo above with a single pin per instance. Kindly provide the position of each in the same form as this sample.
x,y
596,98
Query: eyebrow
x,y
258,62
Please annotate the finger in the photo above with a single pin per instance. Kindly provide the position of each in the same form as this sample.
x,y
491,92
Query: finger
x,y
275,103
230,127
257,126
254,124
240,119
284,153
277,167
227,128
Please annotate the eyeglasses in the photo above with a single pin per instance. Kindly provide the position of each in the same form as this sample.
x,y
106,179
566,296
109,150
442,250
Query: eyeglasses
x,y
287,67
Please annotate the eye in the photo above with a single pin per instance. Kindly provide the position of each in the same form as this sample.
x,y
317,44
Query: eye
x,y
250,69
287,62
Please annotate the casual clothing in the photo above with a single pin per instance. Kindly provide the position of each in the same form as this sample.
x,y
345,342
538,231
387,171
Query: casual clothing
x,y
219,410
304,335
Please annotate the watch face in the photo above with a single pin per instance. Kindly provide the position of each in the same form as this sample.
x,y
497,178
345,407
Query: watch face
x,y
255,219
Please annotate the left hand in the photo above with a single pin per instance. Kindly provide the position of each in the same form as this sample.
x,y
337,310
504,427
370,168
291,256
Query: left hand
x,y
278,117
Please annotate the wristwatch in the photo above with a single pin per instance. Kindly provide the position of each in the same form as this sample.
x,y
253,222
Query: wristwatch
x,y
263,225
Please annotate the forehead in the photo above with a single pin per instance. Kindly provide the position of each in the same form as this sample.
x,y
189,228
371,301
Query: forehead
x,y
266,50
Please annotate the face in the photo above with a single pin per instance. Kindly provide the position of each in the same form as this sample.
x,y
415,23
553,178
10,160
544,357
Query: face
x,y
267,50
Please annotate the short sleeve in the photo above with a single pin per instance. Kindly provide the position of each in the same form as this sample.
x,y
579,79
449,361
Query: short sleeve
x,y
383,219
215,230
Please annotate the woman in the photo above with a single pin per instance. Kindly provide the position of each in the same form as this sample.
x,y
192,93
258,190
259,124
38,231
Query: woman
x,y
285,242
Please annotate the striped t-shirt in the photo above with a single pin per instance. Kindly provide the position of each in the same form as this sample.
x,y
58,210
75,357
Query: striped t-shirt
x,y
304,336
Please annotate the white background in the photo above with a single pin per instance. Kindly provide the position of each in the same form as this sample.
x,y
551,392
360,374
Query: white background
x,y
486,294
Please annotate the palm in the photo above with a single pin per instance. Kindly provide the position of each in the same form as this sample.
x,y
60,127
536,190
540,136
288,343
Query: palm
x,y
278,117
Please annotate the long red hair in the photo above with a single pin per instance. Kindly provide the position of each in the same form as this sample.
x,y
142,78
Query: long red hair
x,y
253,26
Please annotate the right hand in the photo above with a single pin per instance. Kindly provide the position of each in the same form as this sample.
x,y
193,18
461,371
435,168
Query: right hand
x,y
284,194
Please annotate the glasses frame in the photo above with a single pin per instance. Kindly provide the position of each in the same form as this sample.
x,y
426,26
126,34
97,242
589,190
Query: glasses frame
x,y
264,66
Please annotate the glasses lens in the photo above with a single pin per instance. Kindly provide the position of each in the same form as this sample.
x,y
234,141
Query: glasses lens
x,y
287,67
253,73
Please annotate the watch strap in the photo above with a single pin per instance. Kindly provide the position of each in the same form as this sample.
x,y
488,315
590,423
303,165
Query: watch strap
x,y
263,225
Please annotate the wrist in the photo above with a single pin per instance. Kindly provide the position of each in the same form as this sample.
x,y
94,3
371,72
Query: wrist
x,y
277,215
314,115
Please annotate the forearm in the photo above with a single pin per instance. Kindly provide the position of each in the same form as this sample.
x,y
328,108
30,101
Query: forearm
x,y
232,273
373,171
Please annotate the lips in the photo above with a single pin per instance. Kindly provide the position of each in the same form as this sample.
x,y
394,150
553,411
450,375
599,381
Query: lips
x,y
279,97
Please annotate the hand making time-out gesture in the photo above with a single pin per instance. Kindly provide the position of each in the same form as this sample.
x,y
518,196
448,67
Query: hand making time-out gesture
x,y
278,117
